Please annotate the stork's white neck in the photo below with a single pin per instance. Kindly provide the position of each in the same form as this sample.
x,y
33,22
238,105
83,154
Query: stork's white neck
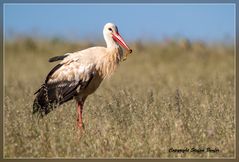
x,y
110,43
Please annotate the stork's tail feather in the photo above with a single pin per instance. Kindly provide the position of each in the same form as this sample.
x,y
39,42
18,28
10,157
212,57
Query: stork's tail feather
x,y
42,104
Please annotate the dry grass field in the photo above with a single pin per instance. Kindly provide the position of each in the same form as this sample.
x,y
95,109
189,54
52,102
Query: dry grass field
x,y
165,95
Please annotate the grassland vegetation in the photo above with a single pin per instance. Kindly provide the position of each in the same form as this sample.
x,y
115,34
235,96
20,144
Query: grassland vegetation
x,y
165,95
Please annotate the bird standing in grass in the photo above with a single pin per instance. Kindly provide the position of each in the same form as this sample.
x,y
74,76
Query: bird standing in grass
x,y
80,73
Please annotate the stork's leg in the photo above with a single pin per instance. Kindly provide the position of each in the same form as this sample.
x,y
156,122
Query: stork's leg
x,y
79,114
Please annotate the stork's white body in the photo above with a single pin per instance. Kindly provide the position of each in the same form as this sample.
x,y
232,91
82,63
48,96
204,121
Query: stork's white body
x,y
79,66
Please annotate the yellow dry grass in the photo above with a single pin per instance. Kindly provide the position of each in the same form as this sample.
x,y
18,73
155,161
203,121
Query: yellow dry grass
x,y
163,96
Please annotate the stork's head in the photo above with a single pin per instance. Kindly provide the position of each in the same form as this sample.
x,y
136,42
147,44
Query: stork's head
x,y
112,36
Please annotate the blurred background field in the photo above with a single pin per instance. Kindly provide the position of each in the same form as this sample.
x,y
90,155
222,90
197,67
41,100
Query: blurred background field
x,y
174,93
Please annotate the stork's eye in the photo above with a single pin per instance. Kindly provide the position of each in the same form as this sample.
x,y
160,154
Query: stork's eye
x,y
110,29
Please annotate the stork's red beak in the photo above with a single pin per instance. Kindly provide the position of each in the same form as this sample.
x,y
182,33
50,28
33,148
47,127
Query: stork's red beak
x,y
121,41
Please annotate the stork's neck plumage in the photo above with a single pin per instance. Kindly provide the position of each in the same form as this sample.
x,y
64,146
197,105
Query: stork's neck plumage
x,y
110,43
113,48
111,58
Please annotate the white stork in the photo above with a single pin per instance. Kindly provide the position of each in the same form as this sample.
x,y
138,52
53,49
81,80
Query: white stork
x,y
79,74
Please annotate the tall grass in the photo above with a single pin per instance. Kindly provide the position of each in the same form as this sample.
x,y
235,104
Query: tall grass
x,y
165,95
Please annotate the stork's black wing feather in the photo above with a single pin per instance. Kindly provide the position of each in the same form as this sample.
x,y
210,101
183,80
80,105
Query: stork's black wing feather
x,y
57,93
57,58
52,71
